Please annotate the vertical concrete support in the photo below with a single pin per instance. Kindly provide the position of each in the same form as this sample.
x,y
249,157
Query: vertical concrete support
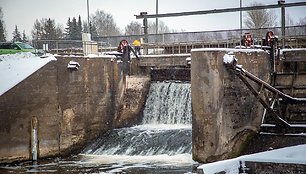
x,y
34,138
224,110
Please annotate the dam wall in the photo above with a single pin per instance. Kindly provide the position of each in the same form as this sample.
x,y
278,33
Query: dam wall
x,y
225,113
71,107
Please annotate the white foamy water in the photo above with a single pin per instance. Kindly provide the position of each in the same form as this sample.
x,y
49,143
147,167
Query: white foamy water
x,y
176,160
163,139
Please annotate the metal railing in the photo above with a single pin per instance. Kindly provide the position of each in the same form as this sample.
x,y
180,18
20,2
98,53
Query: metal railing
x,y
295,37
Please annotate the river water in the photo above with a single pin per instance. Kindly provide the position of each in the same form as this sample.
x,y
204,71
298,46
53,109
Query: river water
x,y
160,144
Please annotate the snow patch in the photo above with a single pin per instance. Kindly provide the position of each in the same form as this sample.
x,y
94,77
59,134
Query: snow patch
x,y
73,65
227,50
291,49
229,58
288,155
14,68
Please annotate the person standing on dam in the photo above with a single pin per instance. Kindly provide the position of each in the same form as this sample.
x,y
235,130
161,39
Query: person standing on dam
x,y
137,44
126,49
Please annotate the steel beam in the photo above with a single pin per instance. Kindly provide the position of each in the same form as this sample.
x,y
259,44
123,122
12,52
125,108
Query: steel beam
x,y
259,7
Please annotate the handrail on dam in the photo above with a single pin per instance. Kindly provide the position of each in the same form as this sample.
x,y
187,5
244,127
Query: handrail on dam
x,y
277,95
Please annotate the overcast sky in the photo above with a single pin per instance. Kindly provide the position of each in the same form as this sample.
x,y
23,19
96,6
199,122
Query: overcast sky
x,y
23,13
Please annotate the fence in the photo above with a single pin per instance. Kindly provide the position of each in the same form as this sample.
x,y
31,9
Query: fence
x,y
295,37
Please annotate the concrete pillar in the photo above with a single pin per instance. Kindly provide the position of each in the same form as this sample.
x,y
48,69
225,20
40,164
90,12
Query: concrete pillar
x,y
225,112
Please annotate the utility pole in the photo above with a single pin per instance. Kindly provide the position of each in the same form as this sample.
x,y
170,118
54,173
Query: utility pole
x,y
88,22
145,30
240,24
283,22
156,17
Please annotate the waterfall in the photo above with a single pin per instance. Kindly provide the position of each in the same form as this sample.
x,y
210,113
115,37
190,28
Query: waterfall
x,y
165,128
168,103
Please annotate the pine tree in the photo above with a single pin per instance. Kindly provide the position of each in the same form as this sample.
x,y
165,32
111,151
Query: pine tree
x,y
46,29
68,29
24,37
49,30
74,29
80,29
93,30
16,35
2,28
85,27
2,32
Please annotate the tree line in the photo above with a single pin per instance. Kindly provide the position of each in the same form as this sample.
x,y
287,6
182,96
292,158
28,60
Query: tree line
x,y
103,24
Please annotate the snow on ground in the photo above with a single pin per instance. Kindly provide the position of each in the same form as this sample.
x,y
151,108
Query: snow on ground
x,y
291,155
248,50
291,49
14,68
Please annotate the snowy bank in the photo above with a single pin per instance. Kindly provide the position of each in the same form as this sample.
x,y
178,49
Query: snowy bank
x,y
14,68
288,155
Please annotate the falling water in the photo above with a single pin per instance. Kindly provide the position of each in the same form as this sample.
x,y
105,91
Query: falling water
x,y
163,137
168,103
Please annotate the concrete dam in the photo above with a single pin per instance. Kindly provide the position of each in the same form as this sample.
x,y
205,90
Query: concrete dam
x,y
75,107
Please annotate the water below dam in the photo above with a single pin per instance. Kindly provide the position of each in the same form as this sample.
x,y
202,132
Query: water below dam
x,y
160,144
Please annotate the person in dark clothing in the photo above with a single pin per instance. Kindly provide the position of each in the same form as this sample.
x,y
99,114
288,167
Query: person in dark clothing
x,y
126,50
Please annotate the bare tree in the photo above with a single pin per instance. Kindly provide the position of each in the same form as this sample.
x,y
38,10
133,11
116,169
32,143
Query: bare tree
x,y
302,28
134,28
263,18
162,27
289,20
104,23
302,21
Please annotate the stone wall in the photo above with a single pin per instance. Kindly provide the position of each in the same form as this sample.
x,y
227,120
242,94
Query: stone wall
x,y
225,113
72,107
